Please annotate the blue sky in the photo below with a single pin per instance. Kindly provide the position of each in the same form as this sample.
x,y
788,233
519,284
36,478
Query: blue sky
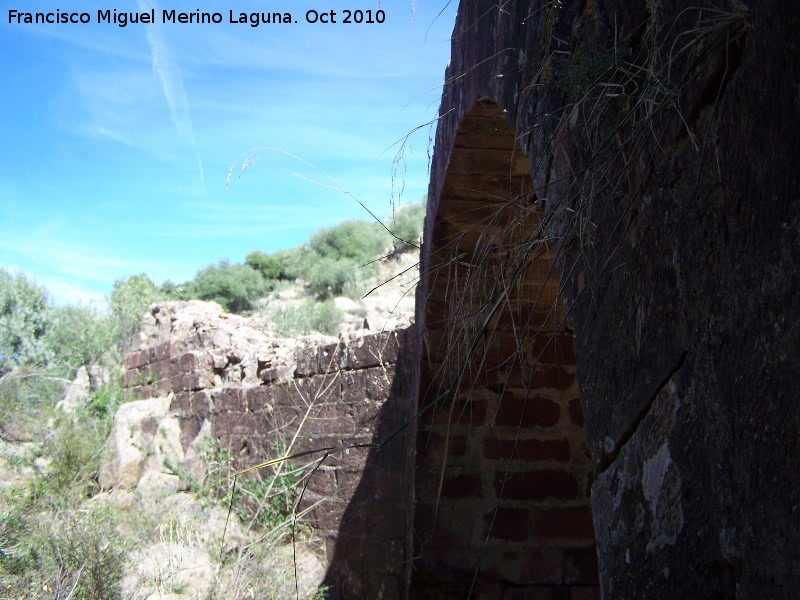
x,y
116,143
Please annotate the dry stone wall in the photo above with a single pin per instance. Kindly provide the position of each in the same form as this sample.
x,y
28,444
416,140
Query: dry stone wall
x,y
266,397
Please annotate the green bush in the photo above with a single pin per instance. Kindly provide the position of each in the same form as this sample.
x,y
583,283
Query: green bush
x,y
81,336
105,400
80,555
24,322
355,240
340,257
25,394
269,265
406,223
130,300
90,551
329,276
263,499
73,452
320,317
235,287
294,262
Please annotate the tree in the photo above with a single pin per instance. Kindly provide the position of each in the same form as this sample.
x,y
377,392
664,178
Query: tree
x,y
406,223
269,265
129,301
24,322
355,240
81,336
236,287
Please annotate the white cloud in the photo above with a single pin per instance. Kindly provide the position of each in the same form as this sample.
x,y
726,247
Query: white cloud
x,y
166,68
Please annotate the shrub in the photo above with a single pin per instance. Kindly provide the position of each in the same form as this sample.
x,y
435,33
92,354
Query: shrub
x,y
263,499
356,240
130,300
24,322
105,400
73,452
407,223
321,317
81,555
236,287
269,265
80,336
294,262
329,276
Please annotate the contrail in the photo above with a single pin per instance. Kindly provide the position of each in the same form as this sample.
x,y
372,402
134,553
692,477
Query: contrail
x,y
172,83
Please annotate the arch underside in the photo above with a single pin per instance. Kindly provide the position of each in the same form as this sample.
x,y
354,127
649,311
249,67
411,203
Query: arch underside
x,y
503,476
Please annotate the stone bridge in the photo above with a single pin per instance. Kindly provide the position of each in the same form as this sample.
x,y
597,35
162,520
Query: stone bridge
x,y
599,396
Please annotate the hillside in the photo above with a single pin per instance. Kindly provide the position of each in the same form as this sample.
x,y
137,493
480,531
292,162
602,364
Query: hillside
x,y
72,521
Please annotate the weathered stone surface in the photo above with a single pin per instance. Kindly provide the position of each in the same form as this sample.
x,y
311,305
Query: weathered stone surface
x,y
79,391
132,436
309,395
673,215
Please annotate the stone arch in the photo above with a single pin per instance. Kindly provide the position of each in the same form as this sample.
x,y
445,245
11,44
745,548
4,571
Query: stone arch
x,y
503,477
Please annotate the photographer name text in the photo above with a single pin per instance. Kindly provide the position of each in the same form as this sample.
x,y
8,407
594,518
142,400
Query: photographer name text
x,y
198,17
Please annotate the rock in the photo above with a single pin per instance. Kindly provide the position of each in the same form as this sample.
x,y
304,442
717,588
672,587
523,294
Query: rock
x,y
174,563
131,439
155,485
14,459
78,393
346,304
144,450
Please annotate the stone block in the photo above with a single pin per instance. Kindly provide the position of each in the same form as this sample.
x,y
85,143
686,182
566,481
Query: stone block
x,y
143,391
461,485
231,399
524,567
460,413
580,566
530,449
324,483
562,523
271,374
456,444
362,353
509,524
354,385
131,361
260,399
307,362
575,412
181,403
554,376
378,383
536,484
130,378
534,411
585,592
553,349
164,351
539,592
201,403
379,486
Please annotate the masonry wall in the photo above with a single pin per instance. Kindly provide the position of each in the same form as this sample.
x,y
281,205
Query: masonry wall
x,y
662,145
503,474
328,395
